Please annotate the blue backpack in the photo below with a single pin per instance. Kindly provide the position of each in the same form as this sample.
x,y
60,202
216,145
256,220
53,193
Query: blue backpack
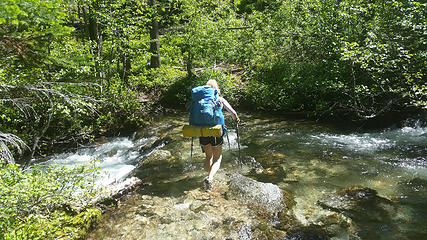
x,y
205,109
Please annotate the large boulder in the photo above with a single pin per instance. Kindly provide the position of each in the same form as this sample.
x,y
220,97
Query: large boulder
x,y
266,197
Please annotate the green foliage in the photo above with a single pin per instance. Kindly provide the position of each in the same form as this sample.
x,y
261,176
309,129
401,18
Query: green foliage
x,y
160,78
27,30
179,93
70,71
229,85
249,6
121,110
34,202
205,39
73,70
363,56
50,85
33,19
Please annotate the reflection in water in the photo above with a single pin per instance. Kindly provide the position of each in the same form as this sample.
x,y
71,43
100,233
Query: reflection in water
x,y
313,161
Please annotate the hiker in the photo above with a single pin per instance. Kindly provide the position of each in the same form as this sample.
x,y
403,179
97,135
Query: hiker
x,y
212,146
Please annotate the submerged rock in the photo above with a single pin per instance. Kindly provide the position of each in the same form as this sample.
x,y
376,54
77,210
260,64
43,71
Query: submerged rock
x,y
368,211
265,196
416,187
307,233
358,199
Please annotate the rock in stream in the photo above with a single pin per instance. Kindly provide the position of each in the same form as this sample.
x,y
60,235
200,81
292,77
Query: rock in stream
x,y
197,214
264,196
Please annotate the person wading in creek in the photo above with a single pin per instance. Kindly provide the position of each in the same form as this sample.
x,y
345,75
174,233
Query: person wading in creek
x,y
212,146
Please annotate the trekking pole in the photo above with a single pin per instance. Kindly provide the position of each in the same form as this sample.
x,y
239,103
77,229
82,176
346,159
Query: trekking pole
x,y
191,151
228,140
238,142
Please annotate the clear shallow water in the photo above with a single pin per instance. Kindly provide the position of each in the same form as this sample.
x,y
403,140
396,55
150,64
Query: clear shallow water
x,y
311,160
319,161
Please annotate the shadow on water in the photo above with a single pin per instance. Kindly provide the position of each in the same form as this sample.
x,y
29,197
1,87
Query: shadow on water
x,y
172,188
166,180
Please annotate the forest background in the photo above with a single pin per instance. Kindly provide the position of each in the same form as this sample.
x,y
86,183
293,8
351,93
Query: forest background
x,y
74,70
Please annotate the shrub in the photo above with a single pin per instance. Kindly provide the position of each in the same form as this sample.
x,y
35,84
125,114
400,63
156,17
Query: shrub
x,y
179,93
35,203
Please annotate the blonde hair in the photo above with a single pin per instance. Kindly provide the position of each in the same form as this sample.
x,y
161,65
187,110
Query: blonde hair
x,y
213,84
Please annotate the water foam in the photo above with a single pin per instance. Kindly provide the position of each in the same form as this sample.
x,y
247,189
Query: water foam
x,y
373,141
354,142
115,159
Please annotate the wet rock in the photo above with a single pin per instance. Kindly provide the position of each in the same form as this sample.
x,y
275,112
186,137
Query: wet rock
x,y
265,231
157,157
251,162
143,144
146,145
196,214
413,196
264,196
109,195
197,206
240,231
271,158
273,174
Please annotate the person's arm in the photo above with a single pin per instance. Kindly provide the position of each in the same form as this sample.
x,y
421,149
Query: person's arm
x,y
229,108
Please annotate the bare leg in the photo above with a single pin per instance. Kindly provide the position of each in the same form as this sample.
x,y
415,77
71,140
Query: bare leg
x,y
208,161
216,162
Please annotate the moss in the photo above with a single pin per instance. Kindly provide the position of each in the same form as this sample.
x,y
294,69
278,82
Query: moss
x,y
288,199
286,219
309,232
84,220
266,231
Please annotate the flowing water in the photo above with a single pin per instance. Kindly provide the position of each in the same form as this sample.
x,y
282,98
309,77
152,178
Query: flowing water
x,y
313,161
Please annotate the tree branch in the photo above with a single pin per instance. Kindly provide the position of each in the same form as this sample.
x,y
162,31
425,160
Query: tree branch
x,y
15,141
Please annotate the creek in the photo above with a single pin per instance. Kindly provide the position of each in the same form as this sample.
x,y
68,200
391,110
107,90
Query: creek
x,y
315,162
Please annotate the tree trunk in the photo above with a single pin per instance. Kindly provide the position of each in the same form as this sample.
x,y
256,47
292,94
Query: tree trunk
x,y
126,68
189,64
94,35
154,37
